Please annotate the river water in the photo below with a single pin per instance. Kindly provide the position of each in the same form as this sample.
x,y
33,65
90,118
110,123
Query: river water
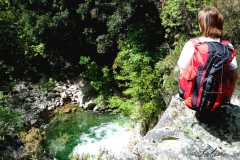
x,y
83,132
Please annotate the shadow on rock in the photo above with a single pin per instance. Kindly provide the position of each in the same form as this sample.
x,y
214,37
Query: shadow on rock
x,y
223,124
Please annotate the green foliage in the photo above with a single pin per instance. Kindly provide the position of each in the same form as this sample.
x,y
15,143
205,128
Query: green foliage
x,y
58,144
133,68
237,47
80,157
47,83
137,37
45,25
122,106
103,154
166,66
179,17
38,50
141,85
84,60
230,11
104,43
11,43
2,99
20,58
100,77
11,120
149,157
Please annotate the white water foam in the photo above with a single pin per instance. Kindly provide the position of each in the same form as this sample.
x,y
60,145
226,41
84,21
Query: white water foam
x,y
109,136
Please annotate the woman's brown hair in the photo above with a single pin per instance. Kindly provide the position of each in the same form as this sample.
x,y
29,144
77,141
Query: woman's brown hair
x,y
210,21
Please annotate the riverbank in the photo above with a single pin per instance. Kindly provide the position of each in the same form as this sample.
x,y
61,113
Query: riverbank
x,y
41,102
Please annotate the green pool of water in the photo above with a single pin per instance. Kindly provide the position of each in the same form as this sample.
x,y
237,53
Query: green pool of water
x,y
81,131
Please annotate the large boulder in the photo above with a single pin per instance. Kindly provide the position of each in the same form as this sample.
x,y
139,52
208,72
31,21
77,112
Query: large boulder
x,y
181,133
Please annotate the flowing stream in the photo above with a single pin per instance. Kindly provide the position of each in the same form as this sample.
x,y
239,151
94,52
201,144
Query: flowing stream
x,y
83,132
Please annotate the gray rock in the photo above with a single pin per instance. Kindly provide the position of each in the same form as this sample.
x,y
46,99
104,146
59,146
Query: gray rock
x,y
64,95
99,107
33,121
26,106
89,105
181,133
51,108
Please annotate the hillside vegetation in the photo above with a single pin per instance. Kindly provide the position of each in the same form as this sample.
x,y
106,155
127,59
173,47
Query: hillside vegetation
x,y
126,49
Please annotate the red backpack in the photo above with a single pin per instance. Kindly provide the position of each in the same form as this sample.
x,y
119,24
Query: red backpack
x,y
206,83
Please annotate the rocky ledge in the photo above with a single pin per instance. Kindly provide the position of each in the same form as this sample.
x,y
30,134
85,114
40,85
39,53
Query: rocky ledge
x,y
40,102
183,134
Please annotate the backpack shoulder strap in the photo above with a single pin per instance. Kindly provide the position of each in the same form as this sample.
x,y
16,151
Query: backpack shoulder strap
x,y
224,42
227,43
230,46
195,41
